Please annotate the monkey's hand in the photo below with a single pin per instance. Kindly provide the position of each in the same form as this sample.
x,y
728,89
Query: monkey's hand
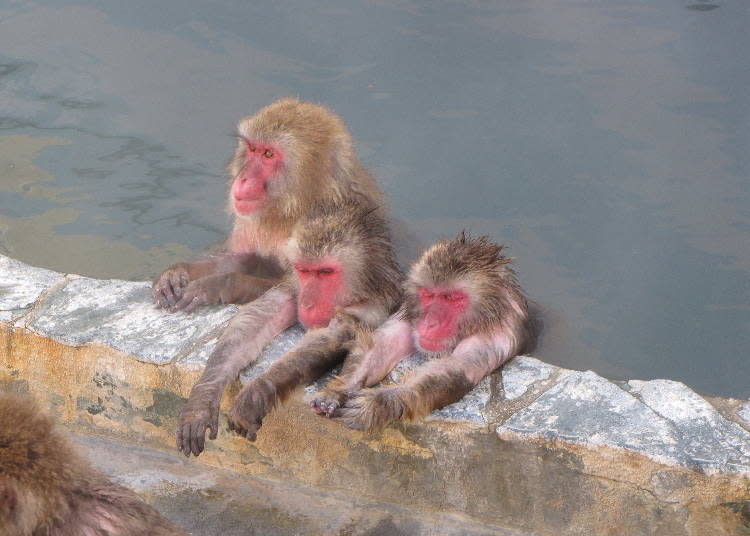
x,y
331,397
209,290
371,410
250,407
201,411
167,289
326,402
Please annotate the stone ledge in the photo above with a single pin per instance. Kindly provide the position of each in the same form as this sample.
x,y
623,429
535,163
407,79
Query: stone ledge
x,y
535,447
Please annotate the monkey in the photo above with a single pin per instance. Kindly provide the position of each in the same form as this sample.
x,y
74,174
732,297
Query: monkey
x,y
47,487
464,308
344,283
290,156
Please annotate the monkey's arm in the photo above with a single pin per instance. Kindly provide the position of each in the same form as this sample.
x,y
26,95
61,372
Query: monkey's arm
x,y
371,359
254,326
234,287
222,276
317,352
435,384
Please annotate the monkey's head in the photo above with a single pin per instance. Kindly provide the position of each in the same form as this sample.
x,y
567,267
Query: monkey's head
x,y
459,287
285,154
341,256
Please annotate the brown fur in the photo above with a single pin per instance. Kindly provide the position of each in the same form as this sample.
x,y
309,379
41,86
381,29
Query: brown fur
x,y
477,265
351,231
355,234
46,488
321,166
495,328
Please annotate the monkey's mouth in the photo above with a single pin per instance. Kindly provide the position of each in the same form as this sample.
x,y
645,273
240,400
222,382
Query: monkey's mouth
x,y
245,206
431,345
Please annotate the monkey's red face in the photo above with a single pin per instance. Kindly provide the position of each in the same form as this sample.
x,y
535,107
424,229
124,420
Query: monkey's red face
x,y
321,285
441,310
263,161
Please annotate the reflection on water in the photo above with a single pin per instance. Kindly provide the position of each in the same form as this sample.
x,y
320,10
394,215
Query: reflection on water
x,y
607,144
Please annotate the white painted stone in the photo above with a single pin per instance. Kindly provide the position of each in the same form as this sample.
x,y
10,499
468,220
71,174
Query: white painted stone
x,y
122,315
21,285
522,372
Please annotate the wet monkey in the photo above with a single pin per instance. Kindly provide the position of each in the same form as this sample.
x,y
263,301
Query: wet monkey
x,y
290,156
47,488
344,283
464,308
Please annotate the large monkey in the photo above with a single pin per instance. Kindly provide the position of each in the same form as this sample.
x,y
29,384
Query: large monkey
x,y
344,283
290,156
464,308
47,488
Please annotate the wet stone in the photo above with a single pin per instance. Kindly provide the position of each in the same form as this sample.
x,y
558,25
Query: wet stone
x,y
521,373
744,412
121,314
21,285
705,437
663,420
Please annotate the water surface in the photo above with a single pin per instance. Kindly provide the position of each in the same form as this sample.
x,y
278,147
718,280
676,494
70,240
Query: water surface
x,y
605,143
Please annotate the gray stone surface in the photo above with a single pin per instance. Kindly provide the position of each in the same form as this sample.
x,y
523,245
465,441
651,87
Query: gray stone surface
x,y
744,412
663,420
704,436
121,314
21,285
522,372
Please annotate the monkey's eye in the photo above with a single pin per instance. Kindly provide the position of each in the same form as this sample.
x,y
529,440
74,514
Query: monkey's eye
x,y
452,297
268,153
251,147
426,294
303,270
325,271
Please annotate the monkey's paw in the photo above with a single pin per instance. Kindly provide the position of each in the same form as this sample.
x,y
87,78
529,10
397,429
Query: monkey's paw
x,y
249,408
327,401
199,413
371,410
168,288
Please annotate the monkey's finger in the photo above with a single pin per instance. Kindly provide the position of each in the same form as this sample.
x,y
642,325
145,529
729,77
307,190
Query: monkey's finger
x,y
185,441
169,294
197,438
214,426
200,443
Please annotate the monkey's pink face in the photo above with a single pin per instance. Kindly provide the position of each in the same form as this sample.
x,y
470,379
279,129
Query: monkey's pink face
x,y
321,287
441,310
263,162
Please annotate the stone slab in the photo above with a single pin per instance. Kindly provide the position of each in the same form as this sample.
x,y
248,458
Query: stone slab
x,y
703,436
660,419
21,285
121,314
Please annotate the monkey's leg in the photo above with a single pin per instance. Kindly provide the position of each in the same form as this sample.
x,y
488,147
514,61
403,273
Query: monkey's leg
x,y
370,361
317,352
435,384
254,326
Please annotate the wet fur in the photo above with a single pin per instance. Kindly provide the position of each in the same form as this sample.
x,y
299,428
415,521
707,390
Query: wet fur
x,y
47,488
495,328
